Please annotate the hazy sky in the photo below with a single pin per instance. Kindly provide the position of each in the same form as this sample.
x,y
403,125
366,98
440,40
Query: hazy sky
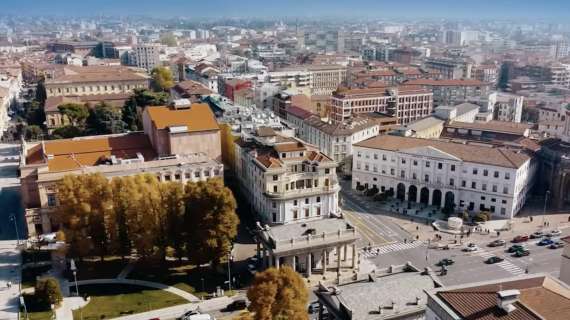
x,y
559,9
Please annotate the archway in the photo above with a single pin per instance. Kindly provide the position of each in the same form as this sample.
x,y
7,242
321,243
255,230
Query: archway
x,y
401,192
449,204
424,195
413,193
436,198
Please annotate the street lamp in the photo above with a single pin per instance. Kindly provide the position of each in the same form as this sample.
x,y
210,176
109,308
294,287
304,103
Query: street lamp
x,y
23,304
13,219
203,290
544,209
229,271
73,268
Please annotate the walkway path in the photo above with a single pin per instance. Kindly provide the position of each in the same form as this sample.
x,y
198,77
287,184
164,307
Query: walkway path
x,y
177,311
9,265
126,270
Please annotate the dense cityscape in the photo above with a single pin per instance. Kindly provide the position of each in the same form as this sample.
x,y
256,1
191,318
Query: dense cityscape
x,y
275,161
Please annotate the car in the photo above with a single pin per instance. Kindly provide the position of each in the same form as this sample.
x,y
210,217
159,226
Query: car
x,y
445,262
545,242
556,245
521,253
497,243
494,259
238,304
555,233
471,247
537,235
313,307
202,316
521,238
252,269
187,314
515,248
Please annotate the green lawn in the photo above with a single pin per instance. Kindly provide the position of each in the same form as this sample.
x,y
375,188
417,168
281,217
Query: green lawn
x,y
110,301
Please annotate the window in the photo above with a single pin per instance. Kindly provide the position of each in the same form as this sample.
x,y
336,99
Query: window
x,y
307,211
283,155
452,167
275,177
318,199
197,174
415,162
52,200
493,209
327,171
366,167
358,165
507,176
274,216
375,156
306,200
473,185
403,161
167,177
504,201
359,154
485,172
482,198
402,174
384,157
463,183
496,174
503,211
177,176
295,202
451,182
207,173
440,166
187,175
427,164
274,188
318,211
484,187
426,178
475,171
414,176
494,188
295,214
274,204
505,190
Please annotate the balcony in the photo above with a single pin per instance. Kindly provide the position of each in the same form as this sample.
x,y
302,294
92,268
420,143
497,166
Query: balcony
x,y
305,192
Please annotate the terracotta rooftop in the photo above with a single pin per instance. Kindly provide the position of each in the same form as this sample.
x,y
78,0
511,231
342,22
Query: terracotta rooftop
x,y
116,99
500,157
379,91
198,117
190,87
73,74
299,112
494,125
446,82
540,298
70,154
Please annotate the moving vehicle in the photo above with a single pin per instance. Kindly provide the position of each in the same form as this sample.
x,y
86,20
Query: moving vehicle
x,y
239,304
494,259
497,243
204,316
521,253
445,262
555,233
515,248
471,247
313,307
521,238
556,245
537,235
187,314
545,242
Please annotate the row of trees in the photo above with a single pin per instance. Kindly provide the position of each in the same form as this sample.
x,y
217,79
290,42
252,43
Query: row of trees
x,y
139,214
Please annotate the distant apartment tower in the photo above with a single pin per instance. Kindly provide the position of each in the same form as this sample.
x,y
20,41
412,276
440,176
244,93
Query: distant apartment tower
x,y
321,40
146,56
406,103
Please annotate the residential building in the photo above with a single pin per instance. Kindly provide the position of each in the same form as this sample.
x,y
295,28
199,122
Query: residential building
x,y
565,262
406,103
321,41
426,128
286,99
456,176
233,85
95,80
451,92
83,48
146,56
397,292
492,132
177,145
190,89
463,112
528,297
506,107
487,73
450,68
316,78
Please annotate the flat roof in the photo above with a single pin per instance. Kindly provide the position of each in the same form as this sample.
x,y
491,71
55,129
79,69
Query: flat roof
x,y
199,117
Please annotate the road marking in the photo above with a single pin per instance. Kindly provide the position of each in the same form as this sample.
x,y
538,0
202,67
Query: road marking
x,y
398,246
361,227
505,264
352,203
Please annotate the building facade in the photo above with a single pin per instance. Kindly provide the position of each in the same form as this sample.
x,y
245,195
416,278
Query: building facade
x,y
445,174
146,56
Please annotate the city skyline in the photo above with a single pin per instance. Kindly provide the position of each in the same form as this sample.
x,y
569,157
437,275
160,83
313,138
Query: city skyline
x,y
506,9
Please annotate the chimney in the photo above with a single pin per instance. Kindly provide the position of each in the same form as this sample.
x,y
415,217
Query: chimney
x,y
506,299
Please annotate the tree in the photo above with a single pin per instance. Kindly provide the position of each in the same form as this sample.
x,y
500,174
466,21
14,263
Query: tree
x,y
140,99
41,94
278,294
173,203
104,119
34,113
48,292
75,112
67,132
33,132
168,39
210,214
162,79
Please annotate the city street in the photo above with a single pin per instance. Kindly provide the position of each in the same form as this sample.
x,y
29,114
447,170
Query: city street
x,y
390,238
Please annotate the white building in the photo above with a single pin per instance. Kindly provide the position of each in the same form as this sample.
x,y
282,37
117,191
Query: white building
x,y
505,106
146,56
446,174
565,264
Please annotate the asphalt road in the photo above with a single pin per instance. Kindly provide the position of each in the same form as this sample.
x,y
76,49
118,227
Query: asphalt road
x,y
10,193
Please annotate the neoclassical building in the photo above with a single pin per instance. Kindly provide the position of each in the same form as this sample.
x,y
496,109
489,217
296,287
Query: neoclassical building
x,y
460,176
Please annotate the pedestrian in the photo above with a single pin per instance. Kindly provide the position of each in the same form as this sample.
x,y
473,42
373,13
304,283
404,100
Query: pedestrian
x,y
405,240
9,284
417,228
418,237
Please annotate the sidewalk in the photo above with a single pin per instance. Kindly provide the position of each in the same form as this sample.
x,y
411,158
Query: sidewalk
x,y
9,271
177,311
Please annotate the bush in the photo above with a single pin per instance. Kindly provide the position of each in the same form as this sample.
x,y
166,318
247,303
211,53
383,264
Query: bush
x,y
360,187
48,292
390,192
482,216
381,197
371,192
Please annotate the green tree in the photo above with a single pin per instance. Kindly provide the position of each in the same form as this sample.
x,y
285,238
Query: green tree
x,y
141,98
34,113
278,294
67,132
168,39
48,292
104,119
210,214
41,94
75,112
173,203
33,132
162,79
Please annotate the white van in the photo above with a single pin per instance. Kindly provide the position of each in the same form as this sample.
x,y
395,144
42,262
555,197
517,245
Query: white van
x,y
200,317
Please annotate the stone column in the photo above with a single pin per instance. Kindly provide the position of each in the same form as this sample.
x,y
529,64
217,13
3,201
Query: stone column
x,y
324,261
277,262
344,253
270,257
353,256
338,259
294,264
309,265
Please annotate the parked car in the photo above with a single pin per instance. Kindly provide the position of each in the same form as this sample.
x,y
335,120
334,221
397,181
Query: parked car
x,y
471,247
555,233
203,316
239,304
537,235
445,262
556,245
521,238
497,243
521,253
545,242
494,259
515,248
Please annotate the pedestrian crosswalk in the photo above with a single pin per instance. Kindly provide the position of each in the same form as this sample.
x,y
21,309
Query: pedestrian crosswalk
x,y
505,264
398,246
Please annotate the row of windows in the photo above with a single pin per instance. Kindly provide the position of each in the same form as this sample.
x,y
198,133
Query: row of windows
x,y
94,88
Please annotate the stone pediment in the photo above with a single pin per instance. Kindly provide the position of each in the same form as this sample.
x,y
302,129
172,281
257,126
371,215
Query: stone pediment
x,y
430,152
